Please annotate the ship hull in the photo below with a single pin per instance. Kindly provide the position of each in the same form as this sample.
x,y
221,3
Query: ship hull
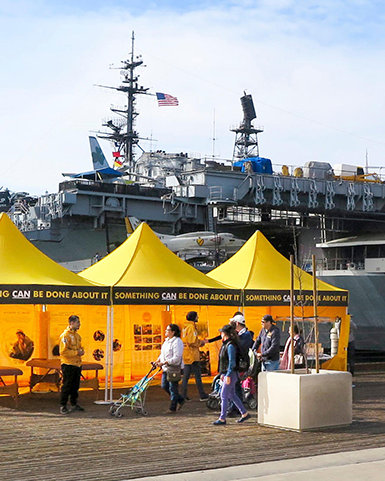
x,y
366,305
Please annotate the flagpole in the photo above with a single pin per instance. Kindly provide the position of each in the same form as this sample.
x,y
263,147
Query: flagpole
x,y
214,139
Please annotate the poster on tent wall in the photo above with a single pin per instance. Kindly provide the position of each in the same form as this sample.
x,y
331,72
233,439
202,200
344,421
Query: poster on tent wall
x,y
53,294
141,330
19,338
253,297
175,295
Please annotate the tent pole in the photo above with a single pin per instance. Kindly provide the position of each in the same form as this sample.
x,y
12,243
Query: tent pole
x,y
315,302
106,363
292,313
111,350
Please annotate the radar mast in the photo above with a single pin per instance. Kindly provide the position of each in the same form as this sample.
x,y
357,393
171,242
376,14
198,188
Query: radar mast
x,y
122,129
246,136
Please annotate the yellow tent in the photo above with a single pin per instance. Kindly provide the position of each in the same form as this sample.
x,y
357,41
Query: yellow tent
x,y
151,287
29,282
264,276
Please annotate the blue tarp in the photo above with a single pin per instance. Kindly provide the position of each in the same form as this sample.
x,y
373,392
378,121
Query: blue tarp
x,y
260,165
106,172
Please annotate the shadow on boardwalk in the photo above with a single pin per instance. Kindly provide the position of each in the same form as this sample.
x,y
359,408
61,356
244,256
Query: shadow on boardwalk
x,y
37,443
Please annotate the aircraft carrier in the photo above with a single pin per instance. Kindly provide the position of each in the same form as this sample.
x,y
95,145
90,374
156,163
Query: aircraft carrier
x,y
301,209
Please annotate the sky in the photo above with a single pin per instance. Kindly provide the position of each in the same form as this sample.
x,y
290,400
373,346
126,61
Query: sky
x,y
315,71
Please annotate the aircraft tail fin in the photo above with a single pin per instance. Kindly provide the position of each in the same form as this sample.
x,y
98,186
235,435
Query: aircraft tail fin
x,y
131,224
98,159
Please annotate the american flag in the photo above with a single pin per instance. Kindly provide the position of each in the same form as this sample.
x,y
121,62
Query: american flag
x,y
166,100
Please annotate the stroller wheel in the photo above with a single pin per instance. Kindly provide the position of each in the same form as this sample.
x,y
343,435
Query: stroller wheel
x,y
119,414
141,411
113,409
252,403
213,403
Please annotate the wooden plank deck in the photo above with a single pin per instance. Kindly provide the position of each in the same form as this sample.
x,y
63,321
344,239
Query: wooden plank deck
x,y
38,443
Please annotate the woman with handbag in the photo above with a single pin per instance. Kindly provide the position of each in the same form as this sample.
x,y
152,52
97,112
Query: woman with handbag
x,y
228,368
299,351
171,362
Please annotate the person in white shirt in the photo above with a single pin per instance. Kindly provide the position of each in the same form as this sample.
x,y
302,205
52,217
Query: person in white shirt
x,y
171,356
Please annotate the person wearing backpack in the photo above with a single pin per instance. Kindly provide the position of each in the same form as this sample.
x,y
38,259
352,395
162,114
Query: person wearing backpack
x,y
246,342
229,357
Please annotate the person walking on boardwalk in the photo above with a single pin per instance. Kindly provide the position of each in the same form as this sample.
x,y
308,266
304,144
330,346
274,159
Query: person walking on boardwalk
x,y
191,355
228,369
246,342
269,339
71,352
245,336
171,362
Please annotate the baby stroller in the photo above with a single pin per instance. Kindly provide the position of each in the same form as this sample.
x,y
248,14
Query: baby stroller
x,y
247,383
135,398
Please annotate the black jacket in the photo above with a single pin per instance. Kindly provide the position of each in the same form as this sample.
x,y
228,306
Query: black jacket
x,y
270,341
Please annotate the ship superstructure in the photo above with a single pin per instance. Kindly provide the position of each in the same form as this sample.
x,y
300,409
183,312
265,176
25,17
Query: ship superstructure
x,y
177,193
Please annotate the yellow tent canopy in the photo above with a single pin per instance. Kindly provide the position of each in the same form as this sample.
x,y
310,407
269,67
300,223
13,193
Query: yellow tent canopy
x,y
153,287
37,295
28,276
144,271
264,274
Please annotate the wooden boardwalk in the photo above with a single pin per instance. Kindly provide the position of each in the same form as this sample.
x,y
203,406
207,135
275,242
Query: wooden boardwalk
x,y
38,443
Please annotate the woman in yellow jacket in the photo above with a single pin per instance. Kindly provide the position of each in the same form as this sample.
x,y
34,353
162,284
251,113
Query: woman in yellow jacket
x,y
191,355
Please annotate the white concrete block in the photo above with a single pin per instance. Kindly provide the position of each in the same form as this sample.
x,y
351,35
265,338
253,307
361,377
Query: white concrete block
x,y
303,401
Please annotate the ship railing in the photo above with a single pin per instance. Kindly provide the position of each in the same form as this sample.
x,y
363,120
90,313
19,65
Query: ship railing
x,y
375,173
243,215
119,189
20,207
338,264
241,126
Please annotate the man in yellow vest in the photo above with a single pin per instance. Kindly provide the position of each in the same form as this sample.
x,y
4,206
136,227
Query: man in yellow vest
x,y
191,355
71,352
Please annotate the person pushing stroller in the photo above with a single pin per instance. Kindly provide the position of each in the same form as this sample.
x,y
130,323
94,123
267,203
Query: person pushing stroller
x,y
171,362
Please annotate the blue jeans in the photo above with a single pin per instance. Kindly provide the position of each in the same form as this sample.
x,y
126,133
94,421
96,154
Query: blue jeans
x,y
194,368
270,365
171,389
228,394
